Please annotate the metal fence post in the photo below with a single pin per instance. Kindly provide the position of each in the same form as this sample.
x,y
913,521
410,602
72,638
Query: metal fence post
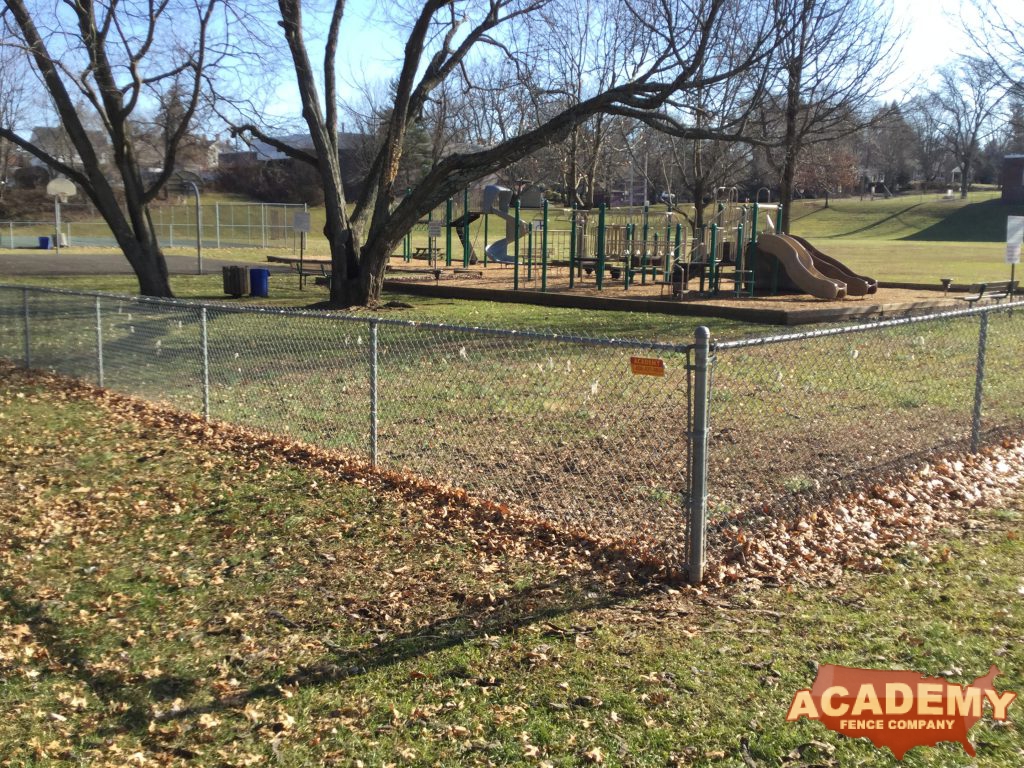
x,y
28,331
373,392
979,383
206,363
698,500
99,343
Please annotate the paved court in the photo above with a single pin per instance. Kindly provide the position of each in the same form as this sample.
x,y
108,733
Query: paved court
x,y
73,262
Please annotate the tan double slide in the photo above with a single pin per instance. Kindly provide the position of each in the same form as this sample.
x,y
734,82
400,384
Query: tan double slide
x,y
812,271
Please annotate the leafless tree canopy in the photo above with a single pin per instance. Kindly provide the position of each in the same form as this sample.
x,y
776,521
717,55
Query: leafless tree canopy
x,y
644,60
831,65
105,64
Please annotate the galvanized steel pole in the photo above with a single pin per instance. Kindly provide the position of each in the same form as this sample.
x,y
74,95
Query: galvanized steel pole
x,y
203,340
99,343
373,392
28,331
698,501
979,383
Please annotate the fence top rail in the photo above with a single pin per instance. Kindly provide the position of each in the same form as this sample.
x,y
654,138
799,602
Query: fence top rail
x,y
562,338
866,327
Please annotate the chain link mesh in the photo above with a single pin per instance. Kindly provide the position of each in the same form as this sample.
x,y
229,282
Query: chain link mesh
x,y
557,427
302,377
151,350
817,413
12,346
1003,403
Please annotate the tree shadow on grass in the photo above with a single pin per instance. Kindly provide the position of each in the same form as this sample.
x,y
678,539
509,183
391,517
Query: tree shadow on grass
x,y
107,685
983,222
480,616
541,604
876,224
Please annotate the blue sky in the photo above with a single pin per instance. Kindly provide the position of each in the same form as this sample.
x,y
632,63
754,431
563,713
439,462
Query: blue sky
x,y
934,36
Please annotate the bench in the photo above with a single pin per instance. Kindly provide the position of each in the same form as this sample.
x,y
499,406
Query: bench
x,y
996,291
426,254
320,272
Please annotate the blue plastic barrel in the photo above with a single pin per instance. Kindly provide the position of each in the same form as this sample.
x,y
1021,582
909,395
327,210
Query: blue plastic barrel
x,y
259,281
44,243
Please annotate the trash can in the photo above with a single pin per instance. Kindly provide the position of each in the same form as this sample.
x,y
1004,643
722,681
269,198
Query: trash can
x,y
44,243
259,282
236,281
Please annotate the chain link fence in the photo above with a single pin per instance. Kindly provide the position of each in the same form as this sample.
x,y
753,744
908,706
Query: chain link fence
x,y
818,412
222,225
555,426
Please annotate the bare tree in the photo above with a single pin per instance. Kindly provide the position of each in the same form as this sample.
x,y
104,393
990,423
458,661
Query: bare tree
x,y
107,62
14,87
832,62
968,97
674,45
999,38
929,146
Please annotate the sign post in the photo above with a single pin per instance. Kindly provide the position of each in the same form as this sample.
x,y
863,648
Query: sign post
x,y
433,233
60,189
1014,239
301,223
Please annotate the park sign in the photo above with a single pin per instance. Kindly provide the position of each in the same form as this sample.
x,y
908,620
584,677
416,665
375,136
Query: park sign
x,y
301,222
1014,238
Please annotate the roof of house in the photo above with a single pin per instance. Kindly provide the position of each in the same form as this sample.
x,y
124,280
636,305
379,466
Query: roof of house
x,y
303,141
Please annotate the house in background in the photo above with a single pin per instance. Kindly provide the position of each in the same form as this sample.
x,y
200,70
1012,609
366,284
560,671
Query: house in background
x,y
354,152
1012,179
55,142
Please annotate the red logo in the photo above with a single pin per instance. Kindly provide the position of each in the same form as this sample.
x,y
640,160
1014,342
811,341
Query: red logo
x,y
898,710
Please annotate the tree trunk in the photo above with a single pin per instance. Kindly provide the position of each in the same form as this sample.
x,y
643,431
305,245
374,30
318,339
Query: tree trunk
x,y
791,145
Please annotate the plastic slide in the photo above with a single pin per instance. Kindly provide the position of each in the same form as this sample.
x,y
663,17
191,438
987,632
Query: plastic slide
x,y
799,266
496,201
498,250
856,285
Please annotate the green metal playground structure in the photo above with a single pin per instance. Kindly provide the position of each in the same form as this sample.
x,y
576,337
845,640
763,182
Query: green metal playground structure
x,y
643,244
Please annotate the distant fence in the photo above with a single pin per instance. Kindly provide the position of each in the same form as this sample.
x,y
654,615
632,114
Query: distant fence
x,y
574,430
223,225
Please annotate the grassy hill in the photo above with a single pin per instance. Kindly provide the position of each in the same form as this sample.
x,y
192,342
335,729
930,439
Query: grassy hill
x,y
979,219
917,238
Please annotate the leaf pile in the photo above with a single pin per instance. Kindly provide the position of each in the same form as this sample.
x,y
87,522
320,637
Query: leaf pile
x,y
772,545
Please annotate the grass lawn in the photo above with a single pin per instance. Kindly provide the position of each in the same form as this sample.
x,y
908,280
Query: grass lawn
x,y
174,601
917,261
912,238
285,293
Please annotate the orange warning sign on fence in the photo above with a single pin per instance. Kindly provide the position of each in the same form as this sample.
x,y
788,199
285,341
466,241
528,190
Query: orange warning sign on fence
x,y
647,366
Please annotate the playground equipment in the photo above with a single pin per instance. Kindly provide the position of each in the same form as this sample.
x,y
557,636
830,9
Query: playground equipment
x,y
799,267
856,285
514,228
739,251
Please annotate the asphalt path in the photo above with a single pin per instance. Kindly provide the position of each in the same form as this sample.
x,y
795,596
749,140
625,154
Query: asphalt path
x,y
73,262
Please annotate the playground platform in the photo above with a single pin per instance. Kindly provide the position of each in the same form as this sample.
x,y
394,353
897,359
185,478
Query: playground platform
x,y
495,283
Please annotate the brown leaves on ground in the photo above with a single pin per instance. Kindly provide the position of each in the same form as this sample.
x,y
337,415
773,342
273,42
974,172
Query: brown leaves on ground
x,y
774,545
